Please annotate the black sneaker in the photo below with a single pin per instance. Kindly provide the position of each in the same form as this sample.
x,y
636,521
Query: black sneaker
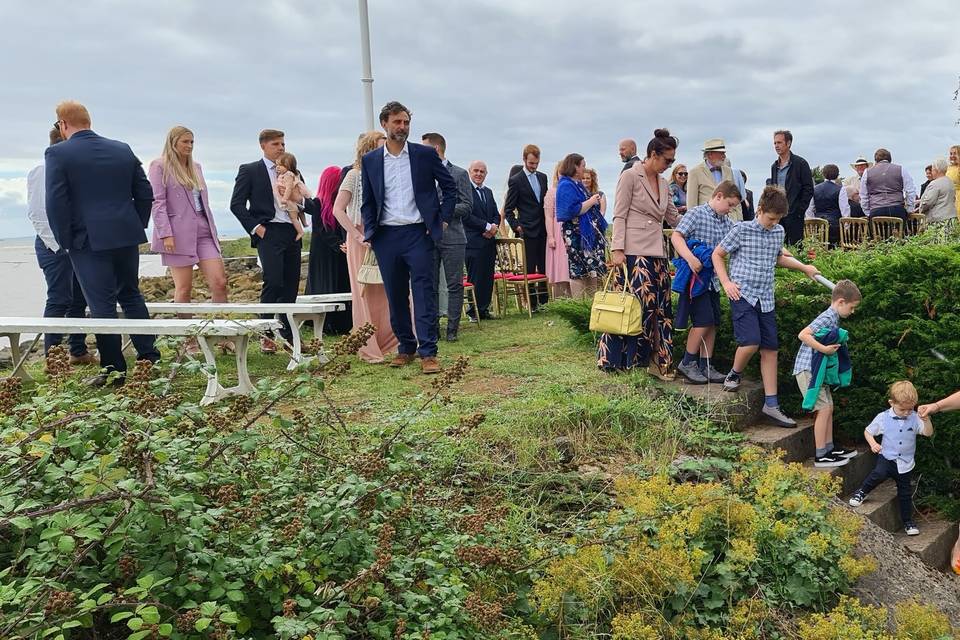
x,y
843,452
829,460
911,529
857,498
731,382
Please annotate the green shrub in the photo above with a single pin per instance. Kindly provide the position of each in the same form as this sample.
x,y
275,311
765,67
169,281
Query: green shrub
x,y
911,307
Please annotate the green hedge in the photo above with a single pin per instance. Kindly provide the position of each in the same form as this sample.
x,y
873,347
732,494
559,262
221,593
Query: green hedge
x,y
911,306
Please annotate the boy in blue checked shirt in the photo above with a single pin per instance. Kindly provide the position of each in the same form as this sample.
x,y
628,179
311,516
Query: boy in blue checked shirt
x,y
756,249
899,426
709,224
843,303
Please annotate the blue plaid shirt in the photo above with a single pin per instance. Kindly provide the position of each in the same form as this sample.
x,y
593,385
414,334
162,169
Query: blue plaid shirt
x,y
754,251
706,225
829,319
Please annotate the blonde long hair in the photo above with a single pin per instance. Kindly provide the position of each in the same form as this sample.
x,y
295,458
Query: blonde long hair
x,y
366,143
594,186
184,174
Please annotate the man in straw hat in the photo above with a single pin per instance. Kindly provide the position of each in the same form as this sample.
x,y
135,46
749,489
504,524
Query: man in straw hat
x,y
852,184
705,177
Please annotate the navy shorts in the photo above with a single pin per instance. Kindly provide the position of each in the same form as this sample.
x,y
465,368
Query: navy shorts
x,y
702,311
753,327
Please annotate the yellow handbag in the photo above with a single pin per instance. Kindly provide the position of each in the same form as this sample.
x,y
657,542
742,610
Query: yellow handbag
x,y
616,312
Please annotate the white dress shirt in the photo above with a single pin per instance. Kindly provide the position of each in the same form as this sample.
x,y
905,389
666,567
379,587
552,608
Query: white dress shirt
x,y
480,189
399,203
37,207
844,197
909,191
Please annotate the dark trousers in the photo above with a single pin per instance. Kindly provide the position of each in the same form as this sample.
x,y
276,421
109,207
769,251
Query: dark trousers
x,y
888,469
535,254
895,211
109,278
481,264
279,252
407,256
64,296
450,258
793,227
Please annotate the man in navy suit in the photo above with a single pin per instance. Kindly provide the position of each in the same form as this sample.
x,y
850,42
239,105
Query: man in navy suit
x,y
271,231
403,220
98,204
481,227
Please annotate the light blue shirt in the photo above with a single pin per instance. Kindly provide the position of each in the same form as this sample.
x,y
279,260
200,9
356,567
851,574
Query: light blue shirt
x,y
534,183
754,251
716,172
899,437
782,175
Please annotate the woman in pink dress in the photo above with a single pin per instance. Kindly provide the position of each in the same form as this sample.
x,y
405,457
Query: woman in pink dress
x,y
558,272
369,300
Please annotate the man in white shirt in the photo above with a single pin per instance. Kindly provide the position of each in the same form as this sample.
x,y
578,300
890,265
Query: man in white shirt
x,y
64,296
404,218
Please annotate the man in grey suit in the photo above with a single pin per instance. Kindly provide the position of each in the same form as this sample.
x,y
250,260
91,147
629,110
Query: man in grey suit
x,y
451,252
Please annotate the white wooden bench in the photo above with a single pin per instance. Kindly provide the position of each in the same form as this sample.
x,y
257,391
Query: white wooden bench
x,y
322,298
207,332
295,312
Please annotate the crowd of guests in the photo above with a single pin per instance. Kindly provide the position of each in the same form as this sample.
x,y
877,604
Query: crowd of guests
x,y
402,226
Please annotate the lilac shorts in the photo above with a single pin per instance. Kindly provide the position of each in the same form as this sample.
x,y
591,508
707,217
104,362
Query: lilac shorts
x,y
206,248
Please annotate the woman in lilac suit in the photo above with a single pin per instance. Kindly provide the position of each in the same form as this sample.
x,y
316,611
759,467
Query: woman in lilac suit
x,y
184,232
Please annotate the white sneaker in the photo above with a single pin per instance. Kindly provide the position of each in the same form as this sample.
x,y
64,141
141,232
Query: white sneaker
x,y
857,498
778,417
911,529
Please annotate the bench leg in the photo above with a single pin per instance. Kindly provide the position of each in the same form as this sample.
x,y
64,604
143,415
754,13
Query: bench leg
x,y
244,386
295,320
19,359
318,321
214,390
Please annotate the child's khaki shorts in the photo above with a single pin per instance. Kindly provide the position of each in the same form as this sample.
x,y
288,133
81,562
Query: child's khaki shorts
x,y
824,398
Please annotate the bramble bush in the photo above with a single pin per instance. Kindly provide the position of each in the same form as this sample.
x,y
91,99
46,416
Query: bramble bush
x,y
142,515
910,308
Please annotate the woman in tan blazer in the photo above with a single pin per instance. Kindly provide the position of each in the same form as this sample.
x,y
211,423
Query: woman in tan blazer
x,y
642,205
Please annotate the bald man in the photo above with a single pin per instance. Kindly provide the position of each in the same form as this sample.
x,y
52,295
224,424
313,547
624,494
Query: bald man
x,y
628,153
481,227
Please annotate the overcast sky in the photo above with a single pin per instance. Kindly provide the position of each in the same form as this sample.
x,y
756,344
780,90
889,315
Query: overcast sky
x,y
491,75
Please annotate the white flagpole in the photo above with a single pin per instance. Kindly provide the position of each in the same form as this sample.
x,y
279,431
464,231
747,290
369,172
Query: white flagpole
x,y
367,78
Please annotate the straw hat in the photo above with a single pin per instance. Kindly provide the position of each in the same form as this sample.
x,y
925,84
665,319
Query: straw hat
x,y
714,144
860,161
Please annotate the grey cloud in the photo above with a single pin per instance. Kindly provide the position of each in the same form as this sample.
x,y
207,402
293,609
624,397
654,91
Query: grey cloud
x,y
491,75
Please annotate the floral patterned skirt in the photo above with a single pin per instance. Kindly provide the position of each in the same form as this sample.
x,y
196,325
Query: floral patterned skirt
x,y
584,263
650,280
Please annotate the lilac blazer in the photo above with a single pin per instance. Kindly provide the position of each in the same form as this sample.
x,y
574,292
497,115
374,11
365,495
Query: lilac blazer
x,y
173,211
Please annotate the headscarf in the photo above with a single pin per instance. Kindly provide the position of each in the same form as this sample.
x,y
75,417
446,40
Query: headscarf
x,y
327,193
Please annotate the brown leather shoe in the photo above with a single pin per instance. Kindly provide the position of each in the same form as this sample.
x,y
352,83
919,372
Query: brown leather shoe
x,y
87,358
657,372
402,360
429,364
267,345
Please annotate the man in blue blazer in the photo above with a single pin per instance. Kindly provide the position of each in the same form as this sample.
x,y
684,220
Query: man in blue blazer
x,y
481,227
98,204
403,220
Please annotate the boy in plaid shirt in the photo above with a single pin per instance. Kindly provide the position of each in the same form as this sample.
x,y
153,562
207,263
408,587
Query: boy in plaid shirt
x,y
843,302
709,224
756,249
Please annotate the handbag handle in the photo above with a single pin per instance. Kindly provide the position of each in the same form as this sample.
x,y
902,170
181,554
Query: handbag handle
x,y
626,283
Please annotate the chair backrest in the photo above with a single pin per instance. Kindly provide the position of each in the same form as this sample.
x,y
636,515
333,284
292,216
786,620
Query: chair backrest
x,y
916,223
886,228
853,232
816,229
511,256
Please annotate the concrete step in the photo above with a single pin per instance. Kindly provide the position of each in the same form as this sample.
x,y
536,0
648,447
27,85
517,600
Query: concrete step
x,y
853,473
934,543
734,409
797,444
881,507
